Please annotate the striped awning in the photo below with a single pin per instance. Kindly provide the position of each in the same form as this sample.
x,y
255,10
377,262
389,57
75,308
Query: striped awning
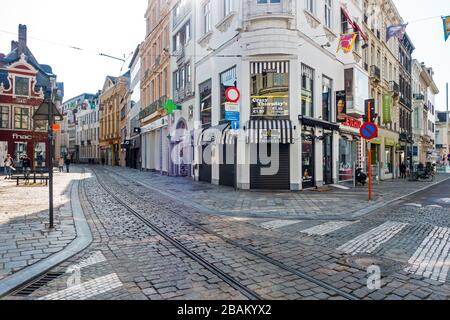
x,y
270,131
269,67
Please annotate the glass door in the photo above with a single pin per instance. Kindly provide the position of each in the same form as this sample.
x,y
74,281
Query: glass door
x,y
328,159
308,162
20,150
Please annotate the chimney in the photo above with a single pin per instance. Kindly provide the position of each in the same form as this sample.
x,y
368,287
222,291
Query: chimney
x,y
14,45
22,38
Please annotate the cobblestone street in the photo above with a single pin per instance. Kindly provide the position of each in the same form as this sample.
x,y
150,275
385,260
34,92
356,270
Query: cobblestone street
x,y
147,244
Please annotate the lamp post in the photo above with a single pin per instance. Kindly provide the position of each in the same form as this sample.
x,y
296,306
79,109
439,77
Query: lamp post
x,y
48,112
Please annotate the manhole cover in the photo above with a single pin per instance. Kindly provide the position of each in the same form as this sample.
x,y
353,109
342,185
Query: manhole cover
x,y
363,262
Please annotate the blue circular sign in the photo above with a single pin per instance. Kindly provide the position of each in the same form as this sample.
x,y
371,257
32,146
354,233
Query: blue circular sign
x,y
369,131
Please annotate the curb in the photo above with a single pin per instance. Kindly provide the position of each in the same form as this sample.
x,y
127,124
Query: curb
x,y
374,207
81,242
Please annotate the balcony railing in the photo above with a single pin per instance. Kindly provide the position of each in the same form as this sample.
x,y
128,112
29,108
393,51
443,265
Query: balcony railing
x,y
419,96
394,87
152,108
285,8
375,72
180,54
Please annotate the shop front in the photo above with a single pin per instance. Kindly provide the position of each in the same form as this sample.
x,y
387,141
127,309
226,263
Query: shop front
x,y
19,143
350,149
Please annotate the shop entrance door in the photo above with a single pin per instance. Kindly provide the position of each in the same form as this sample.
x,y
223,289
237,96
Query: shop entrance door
x,y
308,162
328,159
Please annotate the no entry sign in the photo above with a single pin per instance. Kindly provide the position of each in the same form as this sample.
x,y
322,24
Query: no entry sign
x,y
232,94
369,131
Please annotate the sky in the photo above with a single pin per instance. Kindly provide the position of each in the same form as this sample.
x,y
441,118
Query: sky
x,y
116,27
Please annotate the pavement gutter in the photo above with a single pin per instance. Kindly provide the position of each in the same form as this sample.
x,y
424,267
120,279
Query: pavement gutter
x,y
380,205
81,242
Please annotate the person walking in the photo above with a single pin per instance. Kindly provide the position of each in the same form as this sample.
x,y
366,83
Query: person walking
x,y
403,170
9,166
26,165
61,164
67,162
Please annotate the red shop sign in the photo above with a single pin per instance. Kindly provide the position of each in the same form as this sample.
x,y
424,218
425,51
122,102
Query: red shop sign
x,y
352,123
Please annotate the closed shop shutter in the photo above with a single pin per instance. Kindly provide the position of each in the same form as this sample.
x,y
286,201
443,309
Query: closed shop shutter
x,y
227,168
205,173
279,181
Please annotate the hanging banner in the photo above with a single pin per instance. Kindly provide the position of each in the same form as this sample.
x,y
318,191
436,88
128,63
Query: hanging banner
x,y
347,41
341,105
387,108
396,31
446,21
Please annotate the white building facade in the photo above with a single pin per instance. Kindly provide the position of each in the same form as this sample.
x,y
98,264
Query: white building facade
x,y
281,55
87,130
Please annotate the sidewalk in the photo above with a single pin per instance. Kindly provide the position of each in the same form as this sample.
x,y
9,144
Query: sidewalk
x,y
333,204
24,238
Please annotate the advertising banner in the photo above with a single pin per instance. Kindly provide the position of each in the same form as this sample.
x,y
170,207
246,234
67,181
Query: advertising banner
x,y
387,108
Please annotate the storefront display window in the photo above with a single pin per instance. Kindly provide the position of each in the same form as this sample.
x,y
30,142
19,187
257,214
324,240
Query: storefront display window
x,y
388,160
269,90
39,155
308,161
205,103
346,159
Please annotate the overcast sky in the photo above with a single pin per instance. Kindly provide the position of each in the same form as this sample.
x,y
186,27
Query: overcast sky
x,y
116,27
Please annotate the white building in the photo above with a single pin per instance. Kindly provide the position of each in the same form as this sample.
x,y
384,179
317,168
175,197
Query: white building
x,y
282,57
87,130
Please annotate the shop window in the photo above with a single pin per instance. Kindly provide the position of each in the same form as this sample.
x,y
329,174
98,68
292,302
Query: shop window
x,y
269,89
388,160
206,103
228,79
307,91
346,159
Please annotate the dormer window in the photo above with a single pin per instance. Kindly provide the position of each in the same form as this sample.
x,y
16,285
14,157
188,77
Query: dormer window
x,y
21,86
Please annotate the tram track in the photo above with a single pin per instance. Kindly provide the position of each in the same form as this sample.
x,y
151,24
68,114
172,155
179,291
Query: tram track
x,y
224,276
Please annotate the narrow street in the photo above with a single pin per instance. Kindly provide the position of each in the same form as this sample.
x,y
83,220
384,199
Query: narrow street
x,y
148,245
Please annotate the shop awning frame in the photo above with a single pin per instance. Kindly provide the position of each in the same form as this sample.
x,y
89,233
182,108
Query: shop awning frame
x,y
254,130
313,122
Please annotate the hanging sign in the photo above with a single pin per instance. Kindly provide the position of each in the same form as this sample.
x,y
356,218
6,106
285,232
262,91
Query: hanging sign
x,y
387,108
446,21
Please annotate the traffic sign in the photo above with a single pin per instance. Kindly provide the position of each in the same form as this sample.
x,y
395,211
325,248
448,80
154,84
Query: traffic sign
x,y
232,116
233,94
235,125
369,131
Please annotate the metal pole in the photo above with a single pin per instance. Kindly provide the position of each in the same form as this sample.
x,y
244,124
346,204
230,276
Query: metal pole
x,y
50,159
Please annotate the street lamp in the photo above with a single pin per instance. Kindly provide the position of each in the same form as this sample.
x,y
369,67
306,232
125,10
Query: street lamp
x,y
47,111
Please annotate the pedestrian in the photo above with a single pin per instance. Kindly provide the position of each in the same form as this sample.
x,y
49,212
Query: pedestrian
x,y
9,166
61,164
26,165
67,162
403,170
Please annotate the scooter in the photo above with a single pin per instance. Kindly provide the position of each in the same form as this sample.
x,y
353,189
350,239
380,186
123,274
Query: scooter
x,y
361,177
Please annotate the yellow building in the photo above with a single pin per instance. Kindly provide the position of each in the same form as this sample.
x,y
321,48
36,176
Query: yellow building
x,y
155,87
112,100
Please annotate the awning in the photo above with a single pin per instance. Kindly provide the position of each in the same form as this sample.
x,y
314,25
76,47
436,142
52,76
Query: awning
x,y
212,134
270,131
361,33
269,67
347,16
312,122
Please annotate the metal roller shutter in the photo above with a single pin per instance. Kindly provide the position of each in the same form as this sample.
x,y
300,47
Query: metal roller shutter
x,y
279,181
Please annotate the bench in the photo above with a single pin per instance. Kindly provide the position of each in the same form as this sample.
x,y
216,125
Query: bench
x,y
34,176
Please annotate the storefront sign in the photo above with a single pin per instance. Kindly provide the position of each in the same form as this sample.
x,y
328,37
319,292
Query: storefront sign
x,y
270,136
21,137
387,107
352,123
389,142
273,106
376,141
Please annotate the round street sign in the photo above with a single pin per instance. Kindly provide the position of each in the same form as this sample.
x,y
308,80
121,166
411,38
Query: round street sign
x,y
232,94
369,131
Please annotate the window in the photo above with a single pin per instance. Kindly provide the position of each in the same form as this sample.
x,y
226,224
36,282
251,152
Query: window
x,y
207,25
4,117
267,1
388,160
228,79
327,93
310,5
307,91
21,86
228,7
206,103
328,12
21,118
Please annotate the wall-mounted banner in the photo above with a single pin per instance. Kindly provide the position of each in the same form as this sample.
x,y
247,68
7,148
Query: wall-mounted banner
x,y
446,21
387,108
341,105
346,42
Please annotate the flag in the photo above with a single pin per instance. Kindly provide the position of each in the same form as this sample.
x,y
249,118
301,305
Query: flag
x,y
396,31
446,21
92,105
346,42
